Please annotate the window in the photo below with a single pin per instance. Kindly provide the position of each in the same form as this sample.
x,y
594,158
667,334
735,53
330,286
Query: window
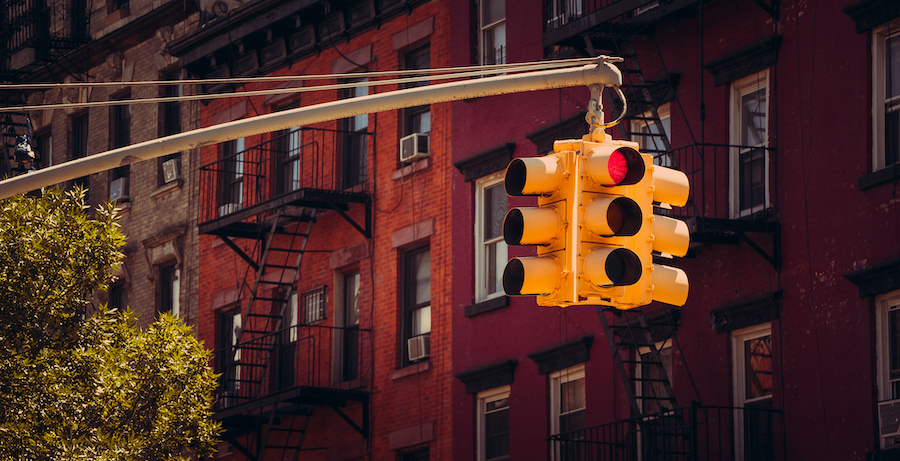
x,y
231,177
651,371
753,380
354,141
229,331
43,144
79,142
118,297
561,12
287,353
887,339
418,455
288,160
492,22
120,122
170,290
644,131
493,424
567,410
490,248
313,302
417,119
350,324
170,120
749,160
886,96
416,292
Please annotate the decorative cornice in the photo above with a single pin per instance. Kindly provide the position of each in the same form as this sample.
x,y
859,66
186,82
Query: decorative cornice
x,y
877,280
869,14
487,162
563,356
488,377
745,62
746,313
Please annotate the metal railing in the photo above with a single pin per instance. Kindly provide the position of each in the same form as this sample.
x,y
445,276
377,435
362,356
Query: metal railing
x,y
300,158
302,355
695,433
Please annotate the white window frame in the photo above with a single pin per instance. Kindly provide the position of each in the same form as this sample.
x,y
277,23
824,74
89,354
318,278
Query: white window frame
x,y
481,253
738,338
738,90
557,379
485,28
884,304
483,398
880,37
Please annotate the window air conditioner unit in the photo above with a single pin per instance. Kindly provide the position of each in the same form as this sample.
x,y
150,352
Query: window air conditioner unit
x,y
413,147
171,170
419,347
889,418
118,189
229,208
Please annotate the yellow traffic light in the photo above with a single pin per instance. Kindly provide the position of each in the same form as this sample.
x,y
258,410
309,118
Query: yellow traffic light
x,y
546,276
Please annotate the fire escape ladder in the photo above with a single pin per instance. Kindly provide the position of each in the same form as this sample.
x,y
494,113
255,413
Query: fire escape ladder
x,y
632,332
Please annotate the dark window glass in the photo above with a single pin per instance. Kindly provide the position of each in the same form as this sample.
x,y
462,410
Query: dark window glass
x,y
350,340
118,297
354,141
418,455
417,119
496,430
416,300
169,290
120,122
80,143
231,177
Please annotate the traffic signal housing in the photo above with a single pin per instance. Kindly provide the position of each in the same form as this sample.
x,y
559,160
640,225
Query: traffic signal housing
x,y
596,228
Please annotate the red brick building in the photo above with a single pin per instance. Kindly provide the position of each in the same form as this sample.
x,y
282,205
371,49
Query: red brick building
x,y
786,346
325,257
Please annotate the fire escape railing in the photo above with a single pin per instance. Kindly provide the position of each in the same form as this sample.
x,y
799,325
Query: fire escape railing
x,y
301,158
313,356
695,433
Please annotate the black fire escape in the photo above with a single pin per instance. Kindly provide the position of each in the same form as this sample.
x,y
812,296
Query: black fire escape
x,y
641,340
277,368
34,35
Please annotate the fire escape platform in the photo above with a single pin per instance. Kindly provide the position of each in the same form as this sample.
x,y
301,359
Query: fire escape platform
x,y
241,225
301,395
573,32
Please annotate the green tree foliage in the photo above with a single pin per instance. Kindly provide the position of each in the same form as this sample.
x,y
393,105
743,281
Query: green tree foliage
x,y
77,386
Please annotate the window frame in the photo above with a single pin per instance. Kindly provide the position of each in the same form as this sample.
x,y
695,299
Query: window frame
x,y
884,304
880,37
481,244
408,115
484,29
354,133
409,306
318,295
557,379
644,126
738,339
482,399
226,340
661,346
119,132
740,88
230,180
169,290
170,120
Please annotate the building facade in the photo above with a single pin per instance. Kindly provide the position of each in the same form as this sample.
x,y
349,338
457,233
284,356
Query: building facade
x,y
325,256
78,42
784,349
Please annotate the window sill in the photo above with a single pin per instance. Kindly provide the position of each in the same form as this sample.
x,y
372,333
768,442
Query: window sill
x,y
165,189
123,207
352,384
410,370
410,169
875,178
487,306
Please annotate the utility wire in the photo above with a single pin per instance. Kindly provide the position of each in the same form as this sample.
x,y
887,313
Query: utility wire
x,y
288,78
276,91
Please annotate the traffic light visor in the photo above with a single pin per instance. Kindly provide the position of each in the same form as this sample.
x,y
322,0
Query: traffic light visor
x,y
615,166
612,267
613,216
534,176
531,276
531,226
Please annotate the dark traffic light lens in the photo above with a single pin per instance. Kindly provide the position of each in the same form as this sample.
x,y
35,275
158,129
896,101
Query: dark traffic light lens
x,y
623,267
513,277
